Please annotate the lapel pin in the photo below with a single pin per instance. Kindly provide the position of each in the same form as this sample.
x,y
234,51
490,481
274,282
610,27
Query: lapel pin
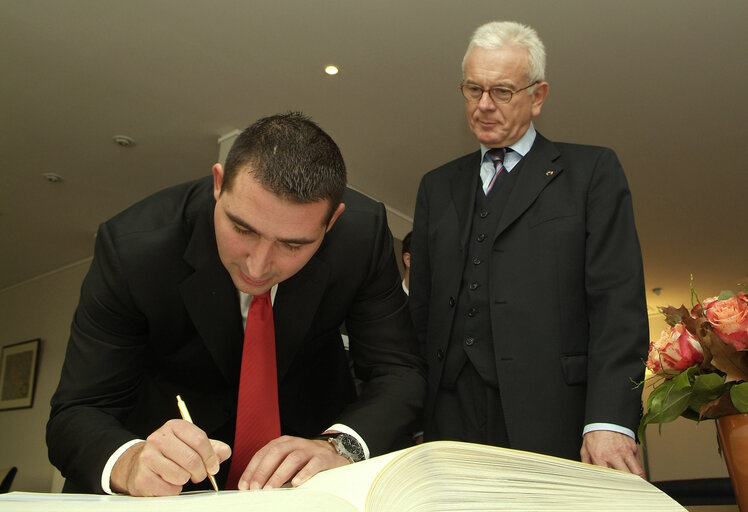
x,y
549,173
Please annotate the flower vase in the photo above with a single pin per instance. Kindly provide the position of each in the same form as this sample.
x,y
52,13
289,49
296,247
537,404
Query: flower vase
x,y
733,437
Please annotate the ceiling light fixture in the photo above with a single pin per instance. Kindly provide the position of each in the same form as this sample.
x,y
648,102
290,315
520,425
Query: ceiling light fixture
x,y
123,140
52,177
331,70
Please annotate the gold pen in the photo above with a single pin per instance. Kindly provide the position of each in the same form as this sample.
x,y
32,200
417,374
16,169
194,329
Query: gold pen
x,y
186,417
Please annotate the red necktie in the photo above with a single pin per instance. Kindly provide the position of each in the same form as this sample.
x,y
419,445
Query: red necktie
x,y
257,416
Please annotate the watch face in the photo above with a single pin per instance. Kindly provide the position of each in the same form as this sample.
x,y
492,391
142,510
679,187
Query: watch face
x,y
350,447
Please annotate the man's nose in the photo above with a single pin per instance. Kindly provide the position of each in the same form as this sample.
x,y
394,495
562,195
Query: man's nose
x,y
485,102
259,259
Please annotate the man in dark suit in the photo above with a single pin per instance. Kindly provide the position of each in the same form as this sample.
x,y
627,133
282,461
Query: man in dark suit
x,y
161,314
526,287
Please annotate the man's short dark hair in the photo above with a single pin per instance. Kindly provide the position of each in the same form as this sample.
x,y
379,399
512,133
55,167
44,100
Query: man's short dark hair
x,y
292,157
406,245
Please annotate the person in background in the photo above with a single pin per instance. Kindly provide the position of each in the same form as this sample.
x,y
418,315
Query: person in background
x,y
178,302
406,261
526,284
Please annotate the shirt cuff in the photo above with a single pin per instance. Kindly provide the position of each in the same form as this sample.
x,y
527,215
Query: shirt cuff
x,y
106,475
609,426
345,429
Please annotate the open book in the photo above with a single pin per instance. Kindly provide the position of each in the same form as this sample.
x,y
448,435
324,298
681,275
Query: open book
x,y
436,476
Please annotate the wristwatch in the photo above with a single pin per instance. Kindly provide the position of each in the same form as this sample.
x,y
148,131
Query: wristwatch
x,y
346,445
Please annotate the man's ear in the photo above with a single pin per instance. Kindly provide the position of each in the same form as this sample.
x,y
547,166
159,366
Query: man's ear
x,y
340,209
406,259
217,180
538,97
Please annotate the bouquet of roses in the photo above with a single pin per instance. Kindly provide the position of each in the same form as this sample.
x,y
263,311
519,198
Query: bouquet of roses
x,y
700,362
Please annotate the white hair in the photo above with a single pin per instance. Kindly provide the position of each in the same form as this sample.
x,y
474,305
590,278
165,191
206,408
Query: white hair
x,y
499,34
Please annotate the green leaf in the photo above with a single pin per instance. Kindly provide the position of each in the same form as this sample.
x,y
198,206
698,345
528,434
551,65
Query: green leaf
x,y
674,403
667,401
739,397
725,294
709,382
686,378
706,388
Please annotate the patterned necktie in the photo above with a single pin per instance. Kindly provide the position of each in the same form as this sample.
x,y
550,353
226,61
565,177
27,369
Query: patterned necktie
x,y
496,156
257,416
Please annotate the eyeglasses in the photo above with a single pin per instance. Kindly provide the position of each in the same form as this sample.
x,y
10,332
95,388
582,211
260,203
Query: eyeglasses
x,y
474,92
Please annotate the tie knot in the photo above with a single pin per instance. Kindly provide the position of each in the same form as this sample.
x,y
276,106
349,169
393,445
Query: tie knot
x,y
496,155
263,298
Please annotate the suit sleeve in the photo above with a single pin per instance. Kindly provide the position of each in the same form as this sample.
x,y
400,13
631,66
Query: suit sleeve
x,y
614,280
104,363
384,351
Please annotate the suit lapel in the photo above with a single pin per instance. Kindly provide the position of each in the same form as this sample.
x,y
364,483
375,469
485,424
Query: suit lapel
x,y
536,170
463,185
212,301
296,301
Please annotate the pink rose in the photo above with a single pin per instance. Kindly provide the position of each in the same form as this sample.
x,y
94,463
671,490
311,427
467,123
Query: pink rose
x,y
676,350
729,319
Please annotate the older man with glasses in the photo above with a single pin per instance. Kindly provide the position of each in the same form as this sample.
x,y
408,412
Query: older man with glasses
x,y
526,285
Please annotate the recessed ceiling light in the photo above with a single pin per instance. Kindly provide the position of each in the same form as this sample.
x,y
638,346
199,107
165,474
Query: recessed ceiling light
x,y
331,70
52,177
123,140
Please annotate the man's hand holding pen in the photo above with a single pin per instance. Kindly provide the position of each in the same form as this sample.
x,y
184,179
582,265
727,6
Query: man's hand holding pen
x,y
172,455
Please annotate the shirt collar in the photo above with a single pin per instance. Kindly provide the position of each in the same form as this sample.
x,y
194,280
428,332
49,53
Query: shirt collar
x,y
521,147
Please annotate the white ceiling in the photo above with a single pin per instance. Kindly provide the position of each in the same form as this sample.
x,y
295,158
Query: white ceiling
x,y
660,81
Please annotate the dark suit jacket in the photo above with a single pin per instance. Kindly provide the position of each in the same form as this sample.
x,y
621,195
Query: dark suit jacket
x,y
568,313
159,316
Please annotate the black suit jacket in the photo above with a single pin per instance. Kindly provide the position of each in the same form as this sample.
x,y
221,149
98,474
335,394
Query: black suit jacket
x,y
568,312
159,316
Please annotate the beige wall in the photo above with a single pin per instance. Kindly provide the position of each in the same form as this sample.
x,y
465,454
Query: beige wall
x,y
39,308
685,449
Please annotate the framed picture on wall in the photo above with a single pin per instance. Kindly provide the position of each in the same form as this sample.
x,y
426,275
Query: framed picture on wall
x,y
18,374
